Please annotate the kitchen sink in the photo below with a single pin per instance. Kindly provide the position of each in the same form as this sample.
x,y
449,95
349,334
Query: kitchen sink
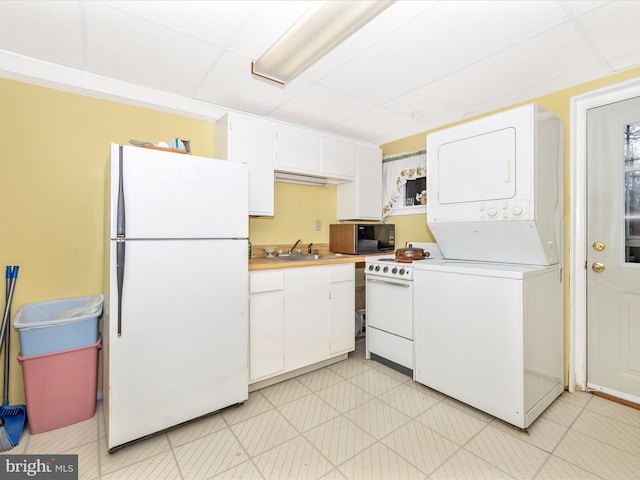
x,y
302,258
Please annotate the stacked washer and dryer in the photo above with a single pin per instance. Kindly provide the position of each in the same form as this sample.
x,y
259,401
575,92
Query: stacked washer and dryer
x,y
488,318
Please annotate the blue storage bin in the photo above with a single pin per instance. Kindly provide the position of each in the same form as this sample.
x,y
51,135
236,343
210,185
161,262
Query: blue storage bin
x,y
54,325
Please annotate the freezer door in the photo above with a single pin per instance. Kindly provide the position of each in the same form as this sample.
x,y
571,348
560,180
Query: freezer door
x,y
181,351
167,195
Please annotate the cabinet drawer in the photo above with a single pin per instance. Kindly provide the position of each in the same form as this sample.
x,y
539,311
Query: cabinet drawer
x,y
342,273
266,281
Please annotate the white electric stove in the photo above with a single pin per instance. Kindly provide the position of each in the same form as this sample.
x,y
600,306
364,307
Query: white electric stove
x,y
389,307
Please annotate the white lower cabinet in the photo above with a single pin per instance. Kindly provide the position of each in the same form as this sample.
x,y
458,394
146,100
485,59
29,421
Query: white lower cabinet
x,y
342,301
299,317
266,324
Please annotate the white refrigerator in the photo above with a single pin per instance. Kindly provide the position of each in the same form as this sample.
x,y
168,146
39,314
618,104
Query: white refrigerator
x,y
175,329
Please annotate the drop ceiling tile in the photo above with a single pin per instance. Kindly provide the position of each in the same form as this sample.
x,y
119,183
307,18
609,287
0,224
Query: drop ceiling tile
x,y
614,28
379,125
625,61
48,30
244,92
212,22
266,24
158,58
578,7
532,91
319,107
378,30
433,46
538,61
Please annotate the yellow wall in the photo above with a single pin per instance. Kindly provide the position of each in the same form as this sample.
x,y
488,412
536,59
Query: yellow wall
x,y
52,161
296,209
558,103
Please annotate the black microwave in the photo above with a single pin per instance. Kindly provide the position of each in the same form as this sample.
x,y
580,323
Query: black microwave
x,y
359,238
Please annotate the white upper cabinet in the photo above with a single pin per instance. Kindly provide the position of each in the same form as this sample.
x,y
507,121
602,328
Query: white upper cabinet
x,y
338,158
268,146
298,150
250,140
362,198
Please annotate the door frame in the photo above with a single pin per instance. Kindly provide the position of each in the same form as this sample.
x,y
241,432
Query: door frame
x,y
578,222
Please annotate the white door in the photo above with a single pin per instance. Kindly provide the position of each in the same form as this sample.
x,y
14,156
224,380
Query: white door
x,y
179,350
613,249
306,309
169,195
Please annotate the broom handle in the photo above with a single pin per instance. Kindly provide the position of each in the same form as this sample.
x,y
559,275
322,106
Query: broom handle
x,y
5,319
7,342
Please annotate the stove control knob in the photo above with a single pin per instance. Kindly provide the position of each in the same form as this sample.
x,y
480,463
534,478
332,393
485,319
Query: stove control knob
x,y
377,268
385,269
370,268
394,271
401,272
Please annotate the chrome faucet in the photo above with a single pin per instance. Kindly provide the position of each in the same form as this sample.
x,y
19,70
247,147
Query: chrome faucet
x,y
294,246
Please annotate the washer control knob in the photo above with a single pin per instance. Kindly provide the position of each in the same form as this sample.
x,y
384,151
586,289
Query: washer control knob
x,y
492,211
517,211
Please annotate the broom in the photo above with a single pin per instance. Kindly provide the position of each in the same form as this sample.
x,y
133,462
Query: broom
x,y
12,418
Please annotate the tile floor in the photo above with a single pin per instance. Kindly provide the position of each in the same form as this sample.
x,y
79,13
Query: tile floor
x,y
360,419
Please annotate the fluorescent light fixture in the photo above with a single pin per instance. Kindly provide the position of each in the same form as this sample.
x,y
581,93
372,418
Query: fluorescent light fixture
x,y
300,179
313,36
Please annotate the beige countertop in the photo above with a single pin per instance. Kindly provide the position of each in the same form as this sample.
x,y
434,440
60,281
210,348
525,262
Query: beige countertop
x,y
263,263
259,261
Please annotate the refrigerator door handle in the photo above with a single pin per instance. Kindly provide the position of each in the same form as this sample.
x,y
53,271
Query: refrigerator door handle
x,y
120,236
120,249
120,222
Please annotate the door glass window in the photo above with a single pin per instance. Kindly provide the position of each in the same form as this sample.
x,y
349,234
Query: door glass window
x,y
632,191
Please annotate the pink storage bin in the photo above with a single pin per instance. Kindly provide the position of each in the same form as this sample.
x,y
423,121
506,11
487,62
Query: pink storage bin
x,y
60,387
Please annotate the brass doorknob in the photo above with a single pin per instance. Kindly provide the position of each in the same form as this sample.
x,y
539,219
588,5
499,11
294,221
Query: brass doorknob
x,y
597,267
598,246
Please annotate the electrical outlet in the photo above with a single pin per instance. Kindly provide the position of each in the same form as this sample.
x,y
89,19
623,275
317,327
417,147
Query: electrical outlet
x,y
318,225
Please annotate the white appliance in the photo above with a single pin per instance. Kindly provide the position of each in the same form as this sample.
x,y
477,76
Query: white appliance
x,y
494,188
490,335
389,307
176,304
488,320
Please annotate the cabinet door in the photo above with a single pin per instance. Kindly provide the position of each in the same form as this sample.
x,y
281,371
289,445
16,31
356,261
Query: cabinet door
x,y
266,324
266,335
342,309
250,140
298,150
306,311
342,317
362,198
338,158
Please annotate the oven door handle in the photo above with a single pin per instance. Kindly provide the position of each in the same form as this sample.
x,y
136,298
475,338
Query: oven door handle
x,y
396,284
